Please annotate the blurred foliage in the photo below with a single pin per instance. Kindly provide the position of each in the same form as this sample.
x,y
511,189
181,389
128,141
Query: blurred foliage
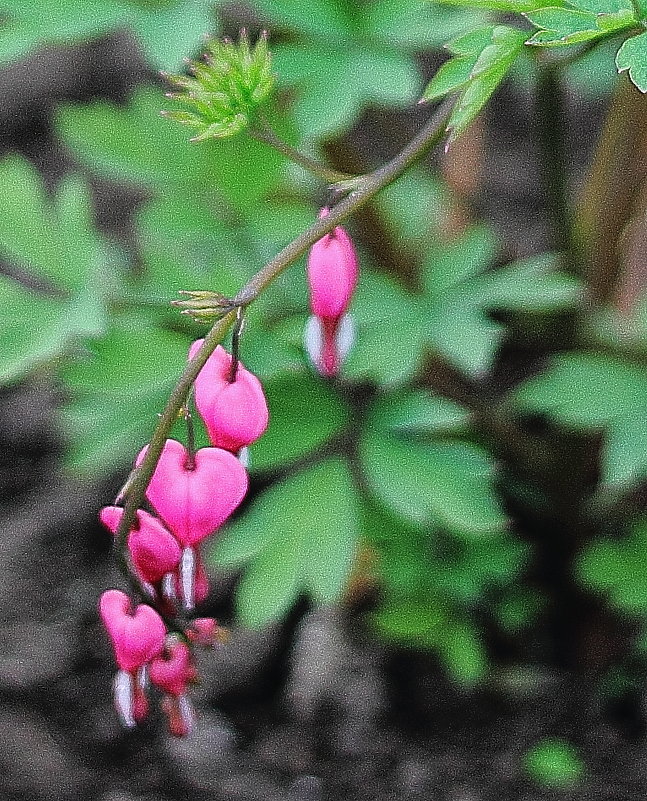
x,y
385,461
554,763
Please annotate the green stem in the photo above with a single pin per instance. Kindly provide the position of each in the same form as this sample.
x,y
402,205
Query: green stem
x,y
553,163
267,136
369,186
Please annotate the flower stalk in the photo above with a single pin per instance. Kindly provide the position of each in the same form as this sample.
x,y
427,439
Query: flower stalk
x,y
367,187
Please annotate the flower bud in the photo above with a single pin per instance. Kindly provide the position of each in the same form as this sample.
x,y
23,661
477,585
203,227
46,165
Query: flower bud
x,y
233,407
332,273
194,500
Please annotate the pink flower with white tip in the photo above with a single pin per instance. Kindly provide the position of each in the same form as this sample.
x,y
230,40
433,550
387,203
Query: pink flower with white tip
x,y
194,495
332,278
231,402
137,637
171,672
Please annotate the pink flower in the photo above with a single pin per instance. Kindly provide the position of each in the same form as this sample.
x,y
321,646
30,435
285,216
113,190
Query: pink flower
x,y
332,273
235,412
154,551
332,277
195,502
173,670
136,637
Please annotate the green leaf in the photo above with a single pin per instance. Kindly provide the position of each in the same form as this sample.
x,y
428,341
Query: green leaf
x,y
413,623
562,26
490,69
632,57
554,763
447,483
132,143
456,262
54,243
463,653
301,535
415,24
319,18
615,568
501,5
585,390
171,32
335,87
305,413
55,21
417,412
532,284
117,391
53,239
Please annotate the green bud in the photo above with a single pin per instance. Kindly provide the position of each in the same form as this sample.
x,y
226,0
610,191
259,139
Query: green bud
x,y
204,306
225,89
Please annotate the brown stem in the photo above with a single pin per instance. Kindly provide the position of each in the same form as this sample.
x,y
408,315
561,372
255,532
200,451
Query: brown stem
x,y
616,175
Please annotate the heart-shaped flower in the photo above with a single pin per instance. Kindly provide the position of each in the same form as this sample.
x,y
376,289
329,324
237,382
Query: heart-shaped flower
x,y
137,637
194,500
155,551
173,670
235,412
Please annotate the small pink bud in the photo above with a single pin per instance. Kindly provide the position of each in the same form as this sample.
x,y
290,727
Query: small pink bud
x,y
332,273
195,502
234,412
136,638
153,549
204,631
173,670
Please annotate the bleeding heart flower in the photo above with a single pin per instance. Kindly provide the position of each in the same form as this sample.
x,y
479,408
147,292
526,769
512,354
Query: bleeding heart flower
x,y
332,273
234,411
174,669
154,551
137,637
195,500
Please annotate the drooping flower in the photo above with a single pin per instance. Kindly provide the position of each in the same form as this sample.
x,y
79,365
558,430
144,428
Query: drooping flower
x,y
332,278
195,499
137,637
155,552
232,405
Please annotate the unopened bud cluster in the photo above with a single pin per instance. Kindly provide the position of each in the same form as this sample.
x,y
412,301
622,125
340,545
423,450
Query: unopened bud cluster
x,y
192,495
225,89
332,277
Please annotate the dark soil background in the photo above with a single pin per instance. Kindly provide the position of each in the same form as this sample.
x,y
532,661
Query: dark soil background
x,y
314,709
